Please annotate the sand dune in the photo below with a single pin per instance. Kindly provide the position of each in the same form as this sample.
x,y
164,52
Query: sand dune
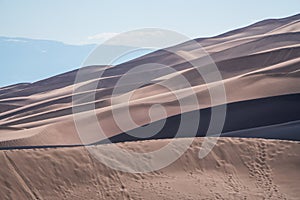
x,y
263,59
42,154
235,169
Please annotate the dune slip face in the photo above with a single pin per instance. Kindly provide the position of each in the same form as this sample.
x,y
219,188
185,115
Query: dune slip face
x,y
43,155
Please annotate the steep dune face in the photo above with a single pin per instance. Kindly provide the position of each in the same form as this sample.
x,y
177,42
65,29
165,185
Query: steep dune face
x,y
235,169
259,65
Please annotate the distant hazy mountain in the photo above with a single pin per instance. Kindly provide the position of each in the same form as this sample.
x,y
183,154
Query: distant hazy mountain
x,y
27,60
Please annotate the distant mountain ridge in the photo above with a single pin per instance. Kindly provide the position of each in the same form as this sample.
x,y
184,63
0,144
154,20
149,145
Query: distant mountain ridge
x,y
28,60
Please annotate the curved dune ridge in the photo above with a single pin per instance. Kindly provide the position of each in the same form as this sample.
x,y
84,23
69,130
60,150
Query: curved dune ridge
x,y
235,169
259,65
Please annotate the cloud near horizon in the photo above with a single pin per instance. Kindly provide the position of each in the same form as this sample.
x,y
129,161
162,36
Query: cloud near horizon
x,y
101,37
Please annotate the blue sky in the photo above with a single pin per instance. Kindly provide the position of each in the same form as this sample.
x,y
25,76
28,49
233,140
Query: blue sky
x,y
90,21
93,21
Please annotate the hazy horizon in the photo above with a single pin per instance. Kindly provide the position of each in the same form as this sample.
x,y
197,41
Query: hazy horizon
x,y
62,20
76,25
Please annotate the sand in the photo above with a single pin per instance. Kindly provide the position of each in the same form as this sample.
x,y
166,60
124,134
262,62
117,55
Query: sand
x,y
42,154
235,169
263,59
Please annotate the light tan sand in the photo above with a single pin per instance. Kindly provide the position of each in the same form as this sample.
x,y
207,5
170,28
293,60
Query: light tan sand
x,y
235,169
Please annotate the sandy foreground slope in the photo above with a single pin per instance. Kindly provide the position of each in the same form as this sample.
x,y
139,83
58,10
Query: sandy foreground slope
x,y
235,169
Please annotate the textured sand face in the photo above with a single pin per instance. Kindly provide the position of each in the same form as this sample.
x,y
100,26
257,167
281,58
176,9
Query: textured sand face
x,y
235,169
